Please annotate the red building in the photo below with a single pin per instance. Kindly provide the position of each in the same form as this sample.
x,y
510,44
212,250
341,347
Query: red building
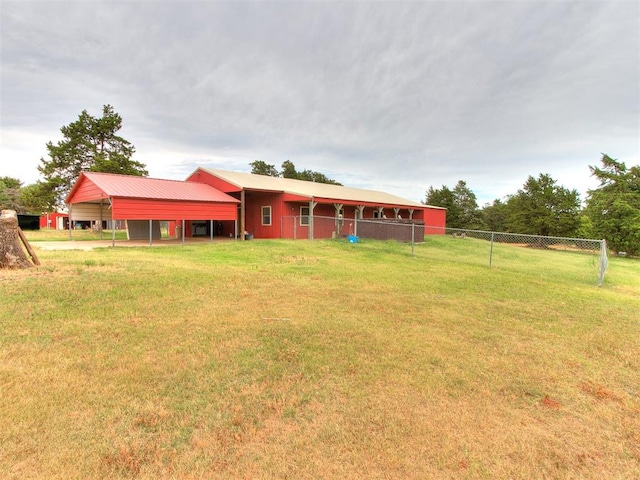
x,y
218,202
144,202
273,207
55,220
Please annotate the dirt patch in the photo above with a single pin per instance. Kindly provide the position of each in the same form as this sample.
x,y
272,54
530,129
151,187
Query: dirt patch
x,y
599,392
549,402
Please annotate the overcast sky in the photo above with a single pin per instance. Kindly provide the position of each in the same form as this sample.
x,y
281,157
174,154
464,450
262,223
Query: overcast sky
x,y
391,96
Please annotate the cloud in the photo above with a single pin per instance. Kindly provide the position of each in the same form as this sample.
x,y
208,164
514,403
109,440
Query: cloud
x,y
393,96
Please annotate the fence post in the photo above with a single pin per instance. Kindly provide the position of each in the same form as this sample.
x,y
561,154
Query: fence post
x,y
413,236
604,262
491,251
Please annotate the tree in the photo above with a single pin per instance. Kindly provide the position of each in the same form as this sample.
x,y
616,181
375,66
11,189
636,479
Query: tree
x,y
259,167
543,208
10,194
37,198
494,216
614,207
467,204
89,144
289,171
461,205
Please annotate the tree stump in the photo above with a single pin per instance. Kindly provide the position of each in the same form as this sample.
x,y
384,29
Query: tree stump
x,y
11,253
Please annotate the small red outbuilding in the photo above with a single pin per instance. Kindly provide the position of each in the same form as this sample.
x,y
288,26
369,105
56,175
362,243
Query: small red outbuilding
x,y
112,197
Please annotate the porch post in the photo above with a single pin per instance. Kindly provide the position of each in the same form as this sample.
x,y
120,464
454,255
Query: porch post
x,y
338,207
211,229
312,205
411,214
242,213
150,232
360,216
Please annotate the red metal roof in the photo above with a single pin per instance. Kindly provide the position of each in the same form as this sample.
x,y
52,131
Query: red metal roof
x,y
115,185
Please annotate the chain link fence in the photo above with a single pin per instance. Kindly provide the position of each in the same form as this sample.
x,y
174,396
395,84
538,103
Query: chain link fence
x,y
402,230
499,244
596,249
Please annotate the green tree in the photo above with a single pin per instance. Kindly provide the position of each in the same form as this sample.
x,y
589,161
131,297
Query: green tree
x,y
542,207
614,207
289,171
259,167
461,205
494,216
467,203
89,144
37,198
10,194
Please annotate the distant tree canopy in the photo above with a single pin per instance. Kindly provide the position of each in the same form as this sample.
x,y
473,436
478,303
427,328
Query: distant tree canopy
x,y
461,205
289,171
613,209
542,207
89,144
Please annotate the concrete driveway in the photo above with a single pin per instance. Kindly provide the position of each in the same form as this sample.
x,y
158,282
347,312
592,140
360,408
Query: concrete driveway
x,y
91,244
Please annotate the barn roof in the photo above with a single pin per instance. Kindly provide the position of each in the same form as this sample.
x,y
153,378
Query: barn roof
x,y
116,185
309,189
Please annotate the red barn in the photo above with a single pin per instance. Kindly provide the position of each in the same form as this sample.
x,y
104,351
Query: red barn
x,y
227,203
55,220
274,207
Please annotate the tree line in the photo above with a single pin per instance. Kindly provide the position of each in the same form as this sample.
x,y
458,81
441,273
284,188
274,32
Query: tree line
x,y
542,207
288,170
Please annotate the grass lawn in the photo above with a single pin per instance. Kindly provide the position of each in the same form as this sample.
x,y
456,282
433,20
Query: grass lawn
x,y
324,359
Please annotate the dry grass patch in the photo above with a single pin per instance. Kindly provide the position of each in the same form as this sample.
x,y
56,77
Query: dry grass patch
x,y
316,360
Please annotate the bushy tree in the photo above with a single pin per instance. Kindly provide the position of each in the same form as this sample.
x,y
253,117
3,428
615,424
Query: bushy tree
x,y
10,194
89,144
542,207
614,207
494,216
259,167
37,198
461,205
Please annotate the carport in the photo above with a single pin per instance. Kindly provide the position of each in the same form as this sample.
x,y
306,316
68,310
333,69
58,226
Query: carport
x,y
144,202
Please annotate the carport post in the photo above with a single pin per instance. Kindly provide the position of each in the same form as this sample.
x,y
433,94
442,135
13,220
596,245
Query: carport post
x,y
183,233
70,207
150,233
235,227
100,220
211,228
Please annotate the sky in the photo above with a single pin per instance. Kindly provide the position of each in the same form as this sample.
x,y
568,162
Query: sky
x,y
391,96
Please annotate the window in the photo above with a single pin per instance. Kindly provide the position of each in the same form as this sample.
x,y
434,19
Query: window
x,y
266,215
304,215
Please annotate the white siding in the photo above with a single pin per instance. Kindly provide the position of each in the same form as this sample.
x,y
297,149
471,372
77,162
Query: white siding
x,y
89,211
